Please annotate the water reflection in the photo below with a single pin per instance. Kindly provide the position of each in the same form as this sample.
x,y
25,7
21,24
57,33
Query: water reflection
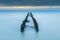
x,y
30,35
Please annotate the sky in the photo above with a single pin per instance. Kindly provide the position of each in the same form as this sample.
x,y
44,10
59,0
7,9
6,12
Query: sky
x,y
29,2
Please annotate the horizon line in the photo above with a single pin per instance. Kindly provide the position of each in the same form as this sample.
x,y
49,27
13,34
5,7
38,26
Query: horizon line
x,y
28,7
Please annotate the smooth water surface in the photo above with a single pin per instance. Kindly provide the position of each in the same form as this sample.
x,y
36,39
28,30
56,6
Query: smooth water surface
x,y
48,21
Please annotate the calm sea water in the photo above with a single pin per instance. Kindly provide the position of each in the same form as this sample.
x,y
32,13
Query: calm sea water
x,y
47,19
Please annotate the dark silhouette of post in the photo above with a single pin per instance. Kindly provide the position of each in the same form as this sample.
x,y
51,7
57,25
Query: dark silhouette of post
x,y
24,22
35,23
